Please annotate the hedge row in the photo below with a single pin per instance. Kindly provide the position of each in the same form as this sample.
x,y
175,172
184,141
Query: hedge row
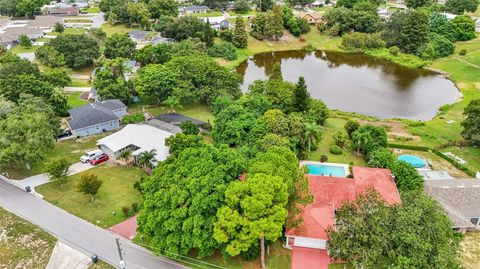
x,y
439,154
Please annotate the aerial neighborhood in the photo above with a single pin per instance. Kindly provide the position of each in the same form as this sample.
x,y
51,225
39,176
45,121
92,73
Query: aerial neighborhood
x,y
240,134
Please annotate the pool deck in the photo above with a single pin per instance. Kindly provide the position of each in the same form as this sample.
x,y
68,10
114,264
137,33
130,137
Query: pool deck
x,y
345,166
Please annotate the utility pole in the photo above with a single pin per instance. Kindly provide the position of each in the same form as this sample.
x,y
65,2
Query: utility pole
x,y
122,262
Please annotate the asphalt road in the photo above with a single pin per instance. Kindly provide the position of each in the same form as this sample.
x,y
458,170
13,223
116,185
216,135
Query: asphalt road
x,y
78,232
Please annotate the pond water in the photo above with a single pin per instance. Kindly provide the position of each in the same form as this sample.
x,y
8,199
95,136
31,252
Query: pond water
x,y
358,83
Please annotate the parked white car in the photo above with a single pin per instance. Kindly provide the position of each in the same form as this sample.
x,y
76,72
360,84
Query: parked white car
x,y
90,155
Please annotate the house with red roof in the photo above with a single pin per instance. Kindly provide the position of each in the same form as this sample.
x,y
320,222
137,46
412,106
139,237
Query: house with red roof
x,y
309,242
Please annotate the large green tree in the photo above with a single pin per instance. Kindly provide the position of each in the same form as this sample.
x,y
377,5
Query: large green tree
x,y
463,28
369,138
182,196
110,82
119,45
471,123
460,6
419,3
254,212
240,34
27,132
138,14
160,8
414,31
79,51
274,23
301,96
157,54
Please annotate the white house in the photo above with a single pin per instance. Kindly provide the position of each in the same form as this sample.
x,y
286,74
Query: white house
x,y
218,23
136,138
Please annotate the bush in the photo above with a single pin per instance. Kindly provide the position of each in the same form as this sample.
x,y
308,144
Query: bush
x,y
134,207
436,47
351,126
340,138
59,28
463,52
321,27
394,50
381,158
362,41
323,158
224,50
336,150
125,210
226,35
134,118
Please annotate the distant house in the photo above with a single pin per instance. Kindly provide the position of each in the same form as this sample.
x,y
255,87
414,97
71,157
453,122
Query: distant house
x,y
177,119
188,10
65,11
31,33
46,23
139,36
218,23
136,138
96,118
309,241
311,17
8,41
461,200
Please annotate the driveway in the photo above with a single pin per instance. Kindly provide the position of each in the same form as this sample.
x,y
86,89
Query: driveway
x,y
84,235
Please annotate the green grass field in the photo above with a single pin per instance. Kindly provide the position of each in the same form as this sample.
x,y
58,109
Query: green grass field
x,y
19,49
116,191
74,99
116,29
212,13
22,244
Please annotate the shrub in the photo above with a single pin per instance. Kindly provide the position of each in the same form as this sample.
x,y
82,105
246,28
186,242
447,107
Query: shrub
x,y
436,47
125,210
394,50
226,35
321,27
336,150
224,50
463,52
381,158
134,207
58,27
189,128
351,126
134,118
362,41
340,138
323,158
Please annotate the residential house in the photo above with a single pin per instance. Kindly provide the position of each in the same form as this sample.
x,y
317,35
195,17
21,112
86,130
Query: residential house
x,y
11,36
65,11
311,17
309,241
137,138
461,200
139,36
96,118
177,119
189,10
168,127
8,41
218,23
46,23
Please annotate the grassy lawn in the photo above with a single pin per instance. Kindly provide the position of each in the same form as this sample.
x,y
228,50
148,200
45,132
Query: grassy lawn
x,y
116,191
20,49
197,111
22,244
80,83
78,20
69,31
248,13
339,266
470,250
72,149
74,99
322,9
92,9
212,13
118,28
332,125
101,265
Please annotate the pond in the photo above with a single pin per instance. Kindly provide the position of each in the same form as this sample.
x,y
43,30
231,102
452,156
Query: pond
x,y
358,83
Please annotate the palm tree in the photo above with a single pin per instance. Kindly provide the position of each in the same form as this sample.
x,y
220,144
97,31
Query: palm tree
x,y
145,158
312,134
125,155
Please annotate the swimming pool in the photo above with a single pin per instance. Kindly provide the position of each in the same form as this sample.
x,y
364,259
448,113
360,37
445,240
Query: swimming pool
x,y
327,170
414,161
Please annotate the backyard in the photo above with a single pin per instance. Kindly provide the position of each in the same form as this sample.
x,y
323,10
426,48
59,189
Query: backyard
x,y
116,192
471,250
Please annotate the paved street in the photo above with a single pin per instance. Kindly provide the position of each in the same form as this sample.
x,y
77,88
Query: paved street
x,y
79,232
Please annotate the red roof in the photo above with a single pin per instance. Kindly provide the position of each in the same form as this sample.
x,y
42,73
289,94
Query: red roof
x,y
310,258
331,192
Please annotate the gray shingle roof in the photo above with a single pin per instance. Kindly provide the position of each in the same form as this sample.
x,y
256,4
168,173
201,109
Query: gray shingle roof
x,y
93,114
176,119
164,126
192,8
139,34
460,198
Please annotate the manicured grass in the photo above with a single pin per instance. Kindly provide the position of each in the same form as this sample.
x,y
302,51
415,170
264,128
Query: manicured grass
x,y
197,111
78,20
339,266
93,9
74,99
19,49
331,126
213,13
22,244
116,191
80,83
72,149
118,28
471,250
322,9
69,31
248,13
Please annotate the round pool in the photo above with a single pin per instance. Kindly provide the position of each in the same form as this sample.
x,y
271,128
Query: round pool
x,y
415,161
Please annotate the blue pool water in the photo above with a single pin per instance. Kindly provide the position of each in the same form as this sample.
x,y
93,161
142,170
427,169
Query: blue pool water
x,y
415,161
326,170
